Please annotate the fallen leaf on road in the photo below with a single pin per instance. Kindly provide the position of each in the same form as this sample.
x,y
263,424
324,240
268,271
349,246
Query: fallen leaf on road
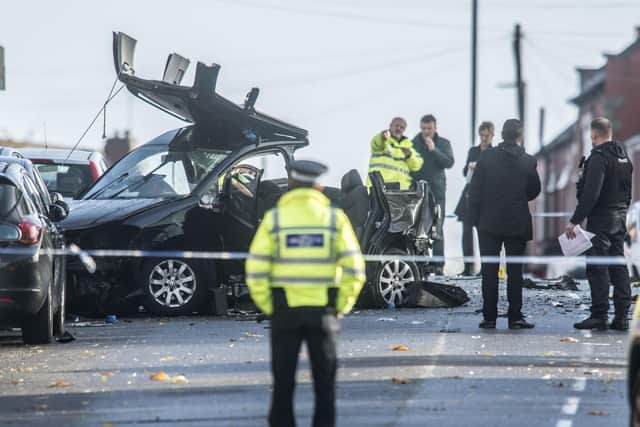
x,y
569,339
159,376
400,348
179,379
401,380
60,383
167,358
106,374
16,382
598,413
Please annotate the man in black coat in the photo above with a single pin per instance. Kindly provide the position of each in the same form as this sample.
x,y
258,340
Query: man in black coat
x,y
485,132
437,155
604,194
504,182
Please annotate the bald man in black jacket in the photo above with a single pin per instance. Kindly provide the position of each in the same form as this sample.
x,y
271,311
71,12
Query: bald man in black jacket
x,y
504,182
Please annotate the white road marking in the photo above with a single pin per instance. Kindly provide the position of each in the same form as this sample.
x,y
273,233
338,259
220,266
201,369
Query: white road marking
x,y
571,407
580,384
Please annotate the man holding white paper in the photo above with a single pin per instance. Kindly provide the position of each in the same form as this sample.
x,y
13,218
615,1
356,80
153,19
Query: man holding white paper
x,y
604,194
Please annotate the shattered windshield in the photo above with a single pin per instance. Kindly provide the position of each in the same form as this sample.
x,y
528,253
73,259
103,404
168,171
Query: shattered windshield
x,y
156,171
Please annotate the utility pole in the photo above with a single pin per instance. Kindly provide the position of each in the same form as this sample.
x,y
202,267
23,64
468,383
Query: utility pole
x,y
541,128
474,63
2,78
520,85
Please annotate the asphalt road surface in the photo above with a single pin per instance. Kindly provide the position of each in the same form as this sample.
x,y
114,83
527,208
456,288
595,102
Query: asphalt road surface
x,y
452,374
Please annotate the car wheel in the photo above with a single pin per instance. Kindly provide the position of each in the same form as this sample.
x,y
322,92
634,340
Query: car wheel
x,y
389,283
38,329
172,287
58,318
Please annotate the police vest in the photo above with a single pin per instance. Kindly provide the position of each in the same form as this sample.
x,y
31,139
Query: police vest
x,y
616,186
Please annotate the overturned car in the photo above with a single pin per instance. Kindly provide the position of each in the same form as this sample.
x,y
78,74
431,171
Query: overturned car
x,y
204,188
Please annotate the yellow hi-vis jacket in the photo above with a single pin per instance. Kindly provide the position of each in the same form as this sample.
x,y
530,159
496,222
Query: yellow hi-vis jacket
x,y
388,158
305,247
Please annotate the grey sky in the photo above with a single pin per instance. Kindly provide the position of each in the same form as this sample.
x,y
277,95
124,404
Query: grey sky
x,y
341,69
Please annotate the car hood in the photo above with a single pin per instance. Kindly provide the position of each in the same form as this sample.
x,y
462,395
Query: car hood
x,y
90,213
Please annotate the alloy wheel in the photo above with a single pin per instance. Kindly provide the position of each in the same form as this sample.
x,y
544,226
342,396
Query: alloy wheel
x,y
172,283
393,279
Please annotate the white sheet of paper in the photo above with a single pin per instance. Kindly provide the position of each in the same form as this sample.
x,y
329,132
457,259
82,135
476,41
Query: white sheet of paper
x,y
575,247
472,167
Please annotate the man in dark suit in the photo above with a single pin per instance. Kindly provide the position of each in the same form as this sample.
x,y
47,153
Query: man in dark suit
x,y
504,181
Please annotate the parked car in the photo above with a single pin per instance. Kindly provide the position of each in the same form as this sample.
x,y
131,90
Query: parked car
x,y
67,172
205,187
32,276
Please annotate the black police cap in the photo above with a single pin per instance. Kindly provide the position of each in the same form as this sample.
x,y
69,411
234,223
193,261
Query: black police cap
x,y
306,171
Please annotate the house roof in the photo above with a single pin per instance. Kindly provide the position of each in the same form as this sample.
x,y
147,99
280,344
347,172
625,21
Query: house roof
x,y
565,137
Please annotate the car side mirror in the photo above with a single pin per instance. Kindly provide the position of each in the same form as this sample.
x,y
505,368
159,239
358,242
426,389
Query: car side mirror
x,y
210,201
58,211
56,197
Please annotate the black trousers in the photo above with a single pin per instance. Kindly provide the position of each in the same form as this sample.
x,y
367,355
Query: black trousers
x,y
467,245
608,242
438,245
490,246
318,328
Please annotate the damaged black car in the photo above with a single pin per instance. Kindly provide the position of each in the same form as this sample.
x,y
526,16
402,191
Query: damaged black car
x,y
204,188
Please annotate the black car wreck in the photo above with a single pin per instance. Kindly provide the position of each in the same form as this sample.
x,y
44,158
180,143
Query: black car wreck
x,y
204,188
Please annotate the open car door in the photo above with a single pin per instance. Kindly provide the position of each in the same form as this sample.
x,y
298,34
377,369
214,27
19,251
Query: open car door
x,y
199,103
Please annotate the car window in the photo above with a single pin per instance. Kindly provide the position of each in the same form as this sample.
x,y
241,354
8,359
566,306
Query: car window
x,y
156,171
272,165
67,180
9,196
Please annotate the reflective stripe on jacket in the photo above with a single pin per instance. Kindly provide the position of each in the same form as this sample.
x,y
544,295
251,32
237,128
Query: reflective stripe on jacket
x,y
305,247
388,158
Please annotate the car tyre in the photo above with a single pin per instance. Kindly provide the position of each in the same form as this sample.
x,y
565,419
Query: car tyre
x,y
58,318
172,287
389,282
38,329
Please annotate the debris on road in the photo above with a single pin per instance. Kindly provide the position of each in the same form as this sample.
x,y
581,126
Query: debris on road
x,y
396,380
167,358
159,376
564,283
598,413
59,384
179,379
400,348
449,330
386,319
569,340
427,294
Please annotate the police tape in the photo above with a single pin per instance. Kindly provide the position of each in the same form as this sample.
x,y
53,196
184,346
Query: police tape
x,y
535,215
86,256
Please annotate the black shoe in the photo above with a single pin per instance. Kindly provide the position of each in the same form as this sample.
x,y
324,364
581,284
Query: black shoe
x,y
592,323
487,324
521,324
620,324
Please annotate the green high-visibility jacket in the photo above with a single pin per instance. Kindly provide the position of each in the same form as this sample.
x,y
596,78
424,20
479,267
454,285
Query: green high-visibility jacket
x,y
388,158
305,246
